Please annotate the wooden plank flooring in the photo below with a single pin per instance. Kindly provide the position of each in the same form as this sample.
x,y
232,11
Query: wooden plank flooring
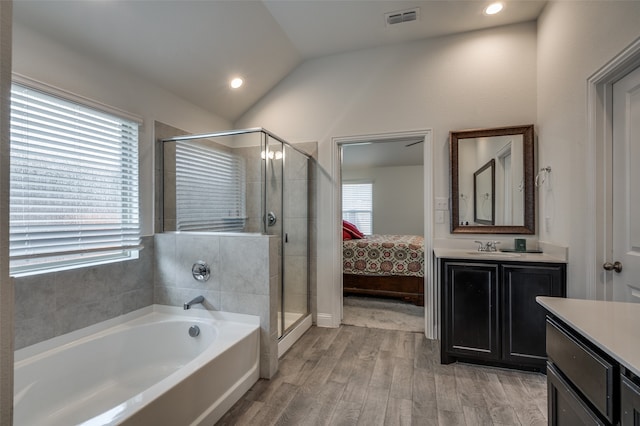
x,y
365,376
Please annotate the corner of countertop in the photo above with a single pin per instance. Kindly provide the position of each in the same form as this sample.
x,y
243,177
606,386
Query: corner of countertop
x,y
554,250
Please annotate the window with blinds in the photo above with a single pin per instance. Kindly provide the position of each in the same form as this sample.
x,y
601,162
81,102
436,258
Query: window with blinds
x,y
73,183
210,189
357,205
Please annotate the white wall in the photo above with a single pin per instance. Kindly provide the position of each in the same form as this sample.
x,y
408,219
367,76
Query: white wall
x,y
41,59
575,39
398,198
477,79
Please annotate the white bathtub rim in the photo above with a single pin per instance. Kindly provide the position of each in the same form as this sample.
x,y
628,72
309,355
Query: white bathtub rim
x,y
227,337
126,320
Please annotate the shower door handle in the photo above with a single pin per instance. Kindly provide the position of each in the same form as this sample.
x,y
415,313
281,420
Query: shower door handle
x,y
271,219
286,237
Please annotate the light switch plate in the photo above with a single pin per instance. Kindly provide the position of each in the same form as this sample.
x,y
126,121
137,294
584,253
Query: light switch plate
x,y
442,203
439,216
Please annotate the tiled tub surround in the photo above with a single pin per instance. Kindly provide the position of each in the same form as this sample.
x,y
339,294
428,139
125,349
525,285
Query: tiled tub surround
x,y
139,369
48,305
244,279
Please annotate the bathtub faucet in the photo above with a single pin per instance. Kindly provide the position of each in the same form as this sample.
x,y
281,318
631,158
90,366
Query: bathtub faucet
x,y
195,300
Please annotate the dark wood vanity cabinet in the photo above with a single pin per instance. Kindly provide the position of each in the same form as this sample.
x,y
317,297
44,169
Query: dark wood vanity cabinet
x,y
489,313
593,372
586,385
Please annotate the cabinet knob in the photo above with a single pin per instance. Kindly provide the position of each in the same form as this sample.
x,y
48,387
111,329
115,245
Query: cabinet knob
x,y
615,266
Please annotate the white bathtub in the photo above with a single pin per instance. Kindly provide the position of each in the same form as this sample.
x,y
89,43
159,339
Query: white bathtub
x,y
139,369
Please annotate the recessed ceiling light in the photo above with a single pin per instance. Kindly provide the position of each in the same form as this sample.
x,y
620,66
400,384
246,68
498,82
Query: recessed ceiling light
x,y
493,8
236,82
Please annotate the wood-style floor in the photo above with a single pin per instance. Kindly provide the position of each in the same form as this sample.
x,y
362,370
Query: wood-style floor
x,y
365,376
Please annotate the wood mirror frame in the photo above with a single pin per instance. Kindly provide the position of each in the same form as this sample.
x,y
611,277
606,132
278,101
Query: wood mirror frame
x,y
529,223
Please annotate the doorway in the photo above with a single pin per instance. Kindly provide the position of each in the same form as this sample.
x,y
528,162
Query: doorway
x,y
624,265
395,142
605,282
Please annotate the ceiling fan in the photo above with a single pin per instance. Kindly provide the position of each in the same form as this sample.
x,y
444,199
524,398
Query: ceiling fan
x,y
413,143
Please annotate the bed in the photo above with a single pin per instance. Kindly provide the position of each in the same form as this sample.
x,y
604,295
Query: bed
x,y
386,266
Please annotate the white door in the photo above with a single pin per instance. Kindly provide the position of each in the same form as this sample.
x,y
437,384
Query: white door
x,y
624,264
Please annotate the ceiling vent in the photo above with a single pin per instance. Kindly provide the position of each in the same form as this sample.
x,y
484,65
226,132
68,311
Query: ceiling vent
x,y
409,15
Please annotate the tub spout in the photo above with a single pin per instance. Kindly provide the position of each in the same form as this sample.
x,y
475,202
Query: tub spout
x,y
195,300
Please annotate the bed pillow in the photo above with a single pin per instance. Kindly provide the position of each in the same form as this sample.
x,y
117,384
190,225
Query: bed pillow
x,y
345,235
352,230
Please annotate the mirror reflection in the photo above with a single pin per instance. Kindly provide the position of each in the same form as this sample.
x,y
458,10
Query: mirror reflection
x,y
484,194
492,180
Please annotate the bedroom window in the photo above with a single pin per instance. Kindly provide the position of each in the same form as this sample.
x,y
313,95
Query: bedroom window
x,y
73,182
357,205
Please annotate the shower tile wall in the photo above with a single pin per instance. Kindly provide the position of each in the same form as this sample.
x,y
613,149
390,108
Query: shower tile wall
x,y
48,305
244,279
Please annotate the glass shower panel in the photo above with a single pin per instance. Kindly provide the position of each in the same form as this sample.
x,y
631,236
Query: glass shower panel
x,y
250,147
296,237
228,169
273,163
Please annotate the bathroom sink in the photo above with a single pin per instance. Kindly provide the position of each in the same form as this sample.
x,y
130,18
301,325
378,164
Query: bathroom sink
x,y
493,254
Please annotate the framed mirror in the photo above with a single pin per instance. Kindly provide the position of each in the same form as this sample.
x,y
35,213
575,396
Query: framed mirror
x,y
492,180
484,188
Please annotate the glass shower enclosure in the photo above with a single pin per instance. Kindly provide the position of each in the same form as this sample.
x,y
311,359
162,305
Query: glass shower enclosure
x,y
245,181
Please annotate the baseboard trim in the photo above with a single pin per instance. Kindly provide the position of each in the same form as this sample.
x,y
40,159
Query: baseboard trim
x,y
326,320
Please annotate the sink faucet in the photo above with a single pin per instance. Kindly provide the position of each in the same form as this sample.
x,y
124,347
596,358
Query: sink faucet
x,y
489,246
195,300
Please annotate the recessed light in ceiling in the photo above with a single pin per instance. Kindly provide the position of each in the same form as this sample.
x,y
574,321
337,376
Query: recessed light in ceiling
x,y
236,82
493,8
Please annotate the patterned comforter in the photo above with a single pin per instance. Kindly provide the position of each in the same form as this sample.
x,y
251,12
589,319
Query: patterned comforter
x,y
384,255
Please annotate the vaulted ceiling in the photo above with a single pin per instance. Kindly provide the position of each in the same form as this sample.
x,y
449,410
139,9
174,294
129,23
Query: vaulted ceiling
x,y
193,48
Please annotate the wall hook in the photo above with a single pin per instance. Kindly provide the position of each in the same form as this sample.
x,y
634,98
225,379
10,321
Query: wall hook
x,y
542,175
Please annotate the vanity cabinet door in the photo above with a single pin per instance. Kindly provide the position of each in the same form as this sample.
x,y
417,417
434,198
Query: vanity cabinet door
x,y
523,319
470,311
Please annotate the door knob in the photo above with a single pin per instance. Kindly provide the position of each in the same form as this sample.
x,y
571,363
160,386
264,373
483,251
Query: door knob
x,y
615,266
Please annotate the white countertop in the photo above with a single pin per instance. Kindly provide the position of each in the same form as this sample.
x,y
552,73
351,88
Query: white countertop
x,y
612,326
496,255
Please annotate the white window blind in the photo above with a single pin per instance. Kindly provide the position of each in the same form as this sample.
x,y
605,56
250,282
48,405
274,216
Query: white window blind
x,y
210,189
74,183
357,205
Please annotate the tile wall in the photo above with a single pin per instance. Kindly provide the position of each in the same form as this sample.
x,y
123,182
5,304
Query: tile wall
x,y
244,279
48,305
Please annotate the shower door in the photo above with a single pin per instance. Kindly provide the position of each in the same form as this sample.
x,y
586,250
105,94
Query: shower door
x,y
286,215
295,299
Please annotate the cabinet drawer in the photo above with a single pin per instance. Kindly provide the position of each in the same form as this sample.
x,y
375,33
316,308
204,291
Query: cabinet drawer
x,y
565,407
629,400
591,374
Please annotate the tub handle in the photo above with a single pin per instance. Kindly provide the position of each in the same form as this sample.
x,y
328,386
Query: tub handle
x,y
201,271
